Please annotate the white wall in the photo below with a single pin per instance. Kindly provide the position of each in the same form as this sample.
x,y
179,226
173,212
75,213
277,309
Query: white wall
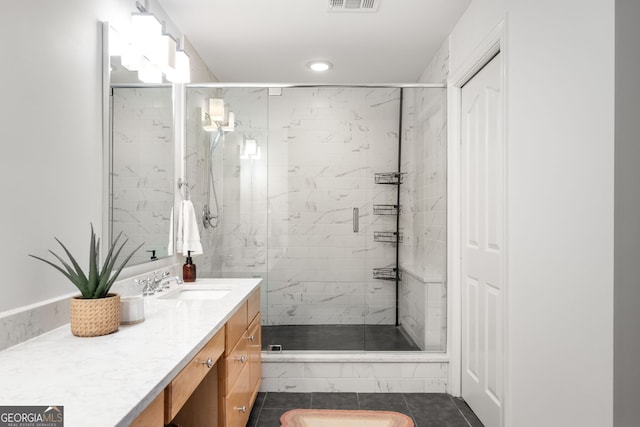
x,y
627,214
559,64
51,134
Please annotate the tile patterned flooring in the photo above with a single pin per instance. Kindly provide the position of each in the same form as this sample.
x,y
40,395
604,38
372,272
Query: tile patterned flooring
x,y
338,337
426,409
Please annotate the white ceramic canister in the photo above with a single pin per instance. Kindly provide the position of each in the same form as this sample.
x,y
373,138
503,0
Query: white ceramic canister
x,y
132,309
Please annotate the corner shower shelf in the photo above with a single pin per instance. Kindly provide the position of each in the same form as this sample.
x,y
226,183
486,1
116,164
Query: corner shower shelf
x,y
387,273
387,236
393,178
385,209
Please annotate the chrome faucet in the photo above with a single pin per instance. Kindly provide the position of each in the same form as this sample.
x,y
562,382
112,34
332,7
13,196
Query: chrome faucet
x,y
167,280
157,281
147,286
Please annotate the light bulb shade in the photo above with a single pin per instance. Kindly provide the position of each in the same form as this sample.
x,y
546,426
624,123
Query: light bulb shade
x,y
146,32
251,150
145,27
166,54
131,58
216,109
148,73
182,72
250,147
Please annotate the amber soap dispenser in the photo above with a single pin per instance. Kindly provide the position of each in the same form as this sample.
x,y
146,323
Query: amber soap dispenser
x,y
189,269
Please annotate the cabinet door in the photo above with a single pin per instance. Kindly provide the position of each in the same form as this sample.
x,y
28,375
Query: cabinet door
x,y
254,341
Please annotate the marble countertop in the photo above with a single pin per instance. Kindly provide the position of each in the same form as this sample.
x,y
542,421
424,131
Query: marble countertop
x,y
109,380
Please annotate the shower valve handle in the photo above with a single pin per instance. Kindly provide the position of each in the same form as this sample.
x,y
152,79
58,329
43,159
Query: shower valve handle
x,y
356,220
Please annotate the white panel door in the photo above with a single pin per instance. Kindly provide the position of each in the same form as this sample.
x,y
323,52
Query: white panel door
x,y
482,261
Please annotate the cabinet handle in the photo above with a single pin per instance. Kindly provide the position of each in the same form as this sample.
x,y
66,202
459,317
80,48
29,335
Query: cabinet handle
x,y
242,408
208,363
251,338
241,359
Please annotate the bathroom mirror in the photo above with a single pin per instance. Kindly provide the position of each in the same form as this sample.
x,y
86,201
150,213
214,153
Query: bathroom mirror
x,y
140,170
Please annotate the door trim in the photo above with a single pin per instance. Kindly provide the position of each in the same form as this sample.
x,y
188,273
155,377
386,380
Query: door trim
x,y
495,42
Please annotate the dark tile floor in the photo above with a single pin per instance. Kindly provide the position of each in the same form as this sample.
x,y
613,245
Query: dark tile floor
x,y
338,337
426,409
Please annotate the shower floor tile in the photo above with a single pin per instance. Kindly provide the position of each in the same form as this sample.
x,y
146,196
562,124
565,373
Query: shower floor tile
x,y
338,338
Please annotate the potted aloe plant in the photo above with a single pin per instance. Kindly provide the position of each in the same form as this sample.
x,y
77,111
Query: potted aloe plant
x,y
96,311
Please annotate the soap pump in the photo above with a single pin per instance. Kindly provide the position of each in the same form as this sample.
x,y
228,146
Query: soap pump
x,y
189,269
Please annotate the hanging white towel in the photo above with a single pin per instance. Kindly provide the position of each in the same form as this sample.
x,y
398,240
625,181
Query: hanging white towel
x,y
188,234
170,247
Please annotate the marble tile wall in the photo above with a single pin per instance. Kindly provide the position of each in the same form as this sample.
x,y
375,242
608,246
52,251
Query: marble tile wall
x,y
354,376
28,322
423,197
143,171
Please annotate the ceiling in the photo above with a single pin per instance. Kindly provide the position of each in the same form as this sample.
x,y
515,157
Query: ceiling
x,y
272,41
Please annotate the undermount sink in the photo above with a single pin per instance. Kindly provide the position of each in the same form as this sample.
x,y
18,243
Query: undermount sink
x,y
197,292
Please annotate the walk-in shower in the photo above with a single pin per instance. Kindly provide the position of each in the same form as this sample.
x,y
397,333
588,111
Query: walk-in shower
x,y
334,195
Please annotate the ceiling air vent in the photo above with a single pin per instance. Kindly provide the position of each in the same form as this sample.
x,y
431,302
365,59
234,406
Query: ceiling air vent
x,y
353,5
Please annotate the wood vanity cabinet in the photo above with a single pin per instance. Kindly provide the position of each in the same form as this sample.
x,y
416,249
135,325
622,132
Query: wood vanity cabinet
x,y
179,394
220,384
239,372
153,415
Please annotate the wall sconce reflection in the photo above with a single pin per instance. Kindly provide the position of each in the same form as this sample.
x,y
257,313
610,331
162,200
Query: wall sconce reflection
x,y
250,150
216,115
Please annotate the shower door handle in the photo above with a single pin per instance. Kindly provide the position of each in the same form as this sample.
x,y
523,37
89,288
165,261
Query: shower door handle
x,y
356,220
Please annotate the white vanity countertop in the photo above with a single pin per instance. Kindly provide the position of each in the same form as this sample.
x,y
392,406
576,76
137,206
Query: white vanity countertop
x,y
109,380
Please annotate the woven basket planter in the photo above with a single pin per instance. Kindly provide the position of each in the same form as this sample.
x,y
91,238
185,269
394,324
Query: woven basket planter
x,y
95,317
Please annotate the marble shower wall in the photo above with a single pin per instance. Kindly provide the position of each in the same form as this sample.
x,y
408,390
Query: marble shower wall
x,y
143,170
325,145
423,219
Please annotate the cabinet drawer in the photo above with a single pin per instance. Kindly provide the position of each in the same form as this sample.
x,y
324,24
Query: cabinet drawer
x,y
236,326
253,305
187,380
237,406
234,363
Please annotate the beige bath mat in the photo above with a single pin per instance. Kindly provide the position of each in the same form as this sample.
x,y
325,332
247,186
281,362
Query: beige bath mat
x,y
343,418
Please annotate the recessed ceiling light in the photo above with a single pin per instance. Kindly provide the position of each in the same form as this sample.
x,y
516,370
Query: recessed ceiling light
x,y
320,65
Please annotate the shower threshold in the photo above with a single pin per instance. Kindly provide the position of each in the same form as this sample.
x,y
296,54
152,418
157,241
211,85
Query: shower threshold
x,y
336,338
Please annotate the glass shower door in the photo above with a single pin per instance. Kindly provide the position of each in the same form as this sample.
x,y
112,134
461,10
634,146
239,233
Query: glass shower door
x,y
326,144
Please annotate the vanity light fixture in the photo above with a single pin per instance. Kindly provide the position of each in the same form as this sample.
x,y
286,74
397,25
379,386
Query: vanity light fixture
x,y
320,66
251,150
149,51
